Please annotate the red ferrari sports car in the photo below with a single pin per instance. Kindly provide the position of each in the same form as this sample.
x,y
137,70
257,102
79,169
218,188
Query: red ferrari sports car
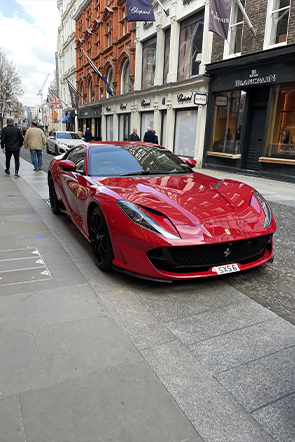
x,y
147,213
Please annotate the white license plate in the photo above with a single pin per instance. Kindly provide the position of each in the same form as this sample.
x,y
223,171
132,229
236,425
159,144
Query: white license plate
x,y
230,268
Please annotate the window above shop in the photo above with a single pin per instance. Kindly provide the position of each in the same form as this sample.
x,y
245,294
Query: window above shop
x,y
277,23
125,78
149,48
233,46
190,46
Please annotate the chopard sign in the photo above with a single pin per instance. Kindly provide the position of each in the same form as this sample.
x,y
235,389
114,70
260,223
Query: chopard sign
x,y
182,98
255,79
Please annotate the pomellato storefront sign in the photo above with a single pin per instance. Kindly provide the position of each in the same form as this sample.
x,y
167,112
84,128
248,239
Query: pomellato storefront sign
x,y
255,79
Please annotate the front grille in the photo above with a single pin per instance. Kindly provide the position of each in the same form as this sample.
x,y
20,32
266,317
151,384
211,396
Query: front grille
x,y
203,257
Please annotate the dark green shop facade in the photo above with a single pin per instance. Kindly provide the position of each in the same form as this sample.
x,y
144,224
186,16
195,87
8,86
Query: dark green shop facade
x,y
251,114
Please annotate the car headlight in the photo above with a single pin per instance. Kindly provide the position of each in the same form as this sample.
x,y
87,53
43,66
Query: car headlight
x,y
142,219
265,207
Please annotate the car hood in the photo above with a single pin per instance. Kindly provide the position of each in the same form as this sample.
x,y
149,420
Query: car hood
x,y
191,199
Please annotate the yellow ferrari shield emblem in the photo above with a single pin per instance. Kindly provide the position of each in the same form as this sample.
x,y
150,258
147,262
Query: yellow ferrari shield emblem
x,y
227,231
79,191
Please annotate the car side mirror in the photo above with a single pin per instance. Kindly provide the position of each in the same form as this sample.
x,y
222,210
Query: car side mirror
x,y
190,162
67,165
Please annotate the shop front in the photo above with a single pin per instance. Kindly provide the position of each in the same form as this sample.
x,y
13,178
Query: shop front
x,y
251,114
89,115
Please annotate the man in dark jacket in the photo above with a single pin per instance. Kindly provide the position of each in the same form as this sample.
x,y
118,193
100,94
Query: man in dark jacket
x,y
134,136
88,135
149,136
11,142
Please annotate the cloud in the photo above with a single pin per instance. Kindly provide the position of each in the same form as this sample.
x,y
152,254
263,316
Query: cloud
x,y
28,35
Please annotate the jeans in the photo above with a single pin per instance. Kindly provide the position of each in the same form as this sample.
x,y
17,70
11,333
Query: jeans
x,y
36,157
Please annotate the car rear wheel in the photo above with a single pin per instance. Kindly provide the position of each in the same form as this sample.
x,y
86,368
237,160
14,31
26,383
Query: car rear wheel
x,y
54,204
100,240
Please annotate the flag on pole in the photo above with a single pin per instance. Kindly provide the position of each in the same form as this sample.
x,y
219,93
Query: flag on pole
x,y
219,15
74,95
108,87
140,10
54,101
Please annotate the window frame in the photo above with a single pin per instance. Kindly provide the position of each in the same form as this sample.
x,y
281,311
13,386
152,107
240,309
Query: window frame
x,y
268,25
233,16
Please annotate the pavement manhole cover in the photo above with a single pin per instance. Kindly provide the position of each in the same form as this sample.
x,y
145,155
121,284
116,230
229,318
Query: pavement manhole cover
x,y
20,266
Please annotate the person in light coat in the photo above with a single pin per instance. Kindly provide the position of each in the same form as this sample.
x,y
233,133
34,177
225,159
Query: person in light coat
x,y
35,140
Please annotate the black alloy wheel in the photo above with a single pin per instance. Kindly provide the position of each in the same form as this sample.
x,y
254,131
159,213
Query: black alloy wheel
x,y
54,204
100,240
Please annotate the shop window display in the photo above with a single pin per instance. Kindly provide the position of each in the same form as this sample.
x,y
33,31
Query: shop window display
x,y
185,132
281,128
228,122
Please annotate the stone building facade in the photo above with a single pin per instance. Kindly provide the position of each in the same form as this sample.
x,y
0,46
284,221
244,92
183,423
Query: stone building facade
x,y
251,103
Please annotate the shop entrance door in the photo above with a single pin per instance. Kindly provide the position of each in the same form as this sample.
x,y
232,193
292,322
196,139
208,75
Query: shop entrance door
x,y
256,137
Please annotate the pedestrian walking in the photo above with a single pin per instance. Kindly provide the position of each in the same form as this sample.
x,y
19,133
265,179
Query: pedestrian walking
x,y
88,134
134,136
149,136
156,141
35,141
11,143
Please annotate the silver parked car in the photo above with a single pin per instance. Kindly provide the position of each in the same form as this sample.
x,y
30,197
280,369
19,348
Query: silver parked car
x,y
60,142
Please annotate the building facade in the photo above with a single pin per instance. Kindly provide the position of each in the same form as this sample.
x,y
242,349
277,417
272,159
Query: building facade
x,y
156,69
251,103
66,58
103,33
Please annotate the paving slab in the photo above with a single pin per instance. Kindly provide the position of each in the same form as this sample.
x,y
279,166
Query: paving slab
x,y
49,307
278,419
82,347
196,297
217,322
11,427
213,411
19,364
140,324
126,404
263,381
238,347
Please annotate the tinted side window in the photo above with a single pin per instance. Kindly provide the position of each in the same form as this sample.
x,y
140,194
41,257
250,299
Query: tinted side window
x,y
77,155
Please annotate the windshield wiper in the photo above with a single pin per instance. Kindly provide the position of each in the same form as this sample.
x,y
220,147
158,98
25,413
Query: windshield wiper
x,y
142,172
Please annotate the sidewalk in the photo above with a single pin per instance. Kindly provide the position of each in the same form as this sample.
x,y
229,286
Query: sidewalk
x,y
87,356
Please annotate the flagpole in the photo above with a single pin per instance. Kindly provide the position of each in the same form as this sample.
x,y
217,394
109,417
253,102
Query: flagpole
x,y
253,31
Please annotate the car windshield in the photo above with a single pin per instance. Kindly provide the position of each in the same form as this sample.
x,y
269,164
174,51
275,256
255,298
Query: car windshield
x,y
127,160
68,135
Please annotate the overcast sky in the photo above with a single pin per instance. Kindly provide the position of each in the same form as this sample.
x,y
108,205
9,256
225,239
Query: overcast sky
x,y
28,37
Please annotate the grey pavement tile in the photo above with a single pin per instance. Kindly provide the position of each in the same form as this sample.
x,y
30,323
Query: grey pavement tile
x,y
19,365
213,411
142,327
7,242
125,404
224,352
180,300
11,428
219,321
278,419
263,381
82,347
29,311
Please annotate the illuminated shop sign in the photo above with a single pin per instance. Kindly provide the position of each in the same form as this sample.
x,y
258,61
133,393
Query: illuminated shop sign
x,y
255,79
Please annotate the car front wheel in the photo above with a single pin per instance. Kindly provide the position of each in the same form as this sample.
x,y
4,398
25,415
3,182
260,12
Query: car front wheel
x,y
100,240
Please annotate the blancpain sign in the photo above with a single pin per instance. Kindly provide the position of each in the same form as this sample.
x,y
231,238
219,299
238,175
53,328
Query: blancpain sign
x,y
255,79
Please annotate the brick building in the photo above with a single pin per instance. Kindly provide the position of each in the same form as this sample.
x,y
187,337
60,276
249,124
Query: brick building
x,y
103,32
251,103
